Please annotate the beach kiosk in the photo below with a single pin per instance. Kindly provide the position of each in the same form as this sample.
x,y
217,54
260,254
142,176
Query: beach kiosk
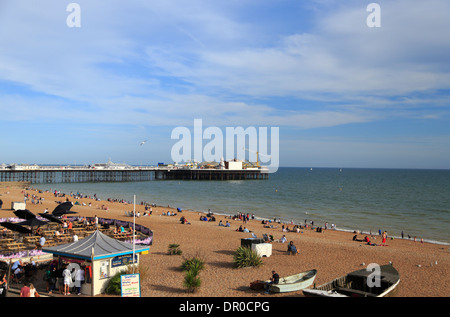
x,y
100,256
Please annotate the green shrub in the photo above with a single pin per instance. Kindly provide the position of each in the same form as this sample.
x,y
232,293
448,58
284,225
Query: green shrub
x,y
113,287
192,266
192,281
174,249
194,263
245,257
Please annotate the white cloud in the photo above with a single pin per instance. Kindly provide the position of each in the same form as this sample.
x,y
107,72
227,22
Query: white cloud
x,y
340,55
168,62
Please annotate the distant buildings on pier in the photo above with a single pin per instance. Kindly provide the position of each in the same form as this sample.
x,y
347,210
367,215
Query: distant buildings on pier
x,y
222,165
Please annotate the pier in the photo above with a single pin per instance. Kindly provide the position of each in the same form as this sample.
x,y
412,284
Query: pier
x,y
58,174
214,174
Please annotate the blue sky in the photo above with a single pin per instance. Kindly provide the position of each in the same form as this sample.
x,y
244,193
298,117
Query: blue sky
x,y
341,93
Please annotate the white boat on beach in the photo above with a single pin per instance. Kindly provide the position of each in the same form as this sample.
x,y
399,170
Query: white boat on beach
x,y
294,282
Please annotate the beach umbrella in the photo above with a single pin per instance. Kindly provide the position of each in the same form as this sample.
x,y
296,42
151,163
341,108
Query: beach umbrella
x,y
15,227
35,222
51,218
66,212
63,208
24,214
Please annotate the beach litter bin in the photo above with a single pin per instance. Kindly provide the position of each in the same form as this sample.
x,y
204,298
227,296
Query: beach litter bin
x,y
249,241
17,205
263,249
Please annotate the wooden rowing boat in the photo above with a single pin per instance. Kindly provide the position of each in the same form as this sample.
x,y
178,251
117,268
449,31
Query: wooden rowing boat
x,y
359,284
294,282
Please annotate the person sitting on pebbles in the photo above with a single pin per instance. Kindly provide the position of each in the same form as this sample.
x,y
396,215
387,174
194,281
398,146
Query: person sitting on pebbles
x,y
292,249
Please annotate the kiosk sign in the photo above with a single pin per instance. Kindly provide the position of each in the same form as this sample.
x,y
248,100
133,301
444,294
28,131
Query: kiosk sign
x,y
130,285
123,260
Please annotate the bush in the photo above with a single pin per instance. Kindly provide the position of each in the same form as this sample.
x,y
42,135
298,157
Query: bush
x,y
192,281
194,263
192,266
113,287
245,257
174,249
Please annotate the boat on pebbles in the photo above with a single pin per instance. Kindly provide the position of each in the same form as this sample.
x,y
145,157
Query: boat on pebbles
x,y
359,284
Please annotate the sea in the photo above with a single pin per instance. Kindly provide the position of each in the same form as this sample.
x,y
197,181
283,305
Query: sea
x,y
415,202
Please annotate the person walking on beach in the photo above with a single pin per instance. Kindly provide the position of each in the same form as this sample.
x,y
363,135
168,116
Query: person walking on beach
x,y
33,292
383,236
25,291
67,280
52,278
79,279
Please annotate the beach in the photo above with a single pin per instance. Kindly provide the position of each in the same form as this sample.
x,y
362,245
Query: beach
x,y
423,267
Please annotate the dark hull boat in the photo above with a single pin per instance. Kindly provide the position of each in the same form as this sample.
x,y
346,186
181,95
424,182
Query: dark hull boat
x,y
356,284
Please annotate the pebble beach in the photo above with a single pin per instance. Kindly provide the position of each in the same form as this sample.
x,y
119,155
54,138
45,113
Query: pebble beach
x,y
424,267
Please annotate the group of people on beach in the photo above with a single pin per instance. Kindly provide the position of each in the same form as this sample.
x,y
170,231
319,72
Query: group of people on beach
x,y
367,239
28,290
239,216
24,273
244,217
34,199
59,275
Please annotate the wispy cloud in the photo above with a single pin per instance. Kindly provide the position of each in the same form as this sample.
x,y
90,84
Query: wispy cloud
x,y
297,65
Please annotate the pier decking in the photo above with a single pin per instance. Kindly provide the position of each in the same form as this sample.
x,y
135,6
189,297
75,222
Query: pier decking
x,y
85,174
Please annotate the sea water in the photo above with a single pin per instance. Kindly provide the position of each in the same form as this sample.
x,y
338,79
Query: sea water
x,y
416,202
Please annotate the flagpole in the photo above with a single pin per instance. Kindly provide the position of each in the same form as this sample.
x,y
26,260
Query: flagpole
x,y
92,272
134,227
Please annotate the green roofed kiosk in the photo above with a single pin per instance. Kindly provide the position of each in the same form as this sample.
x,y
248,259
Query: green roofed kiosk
x,y
101,257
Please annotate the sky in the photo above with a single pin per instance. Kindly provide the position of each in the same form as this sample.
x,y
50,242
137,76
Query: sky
x,y
342,94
